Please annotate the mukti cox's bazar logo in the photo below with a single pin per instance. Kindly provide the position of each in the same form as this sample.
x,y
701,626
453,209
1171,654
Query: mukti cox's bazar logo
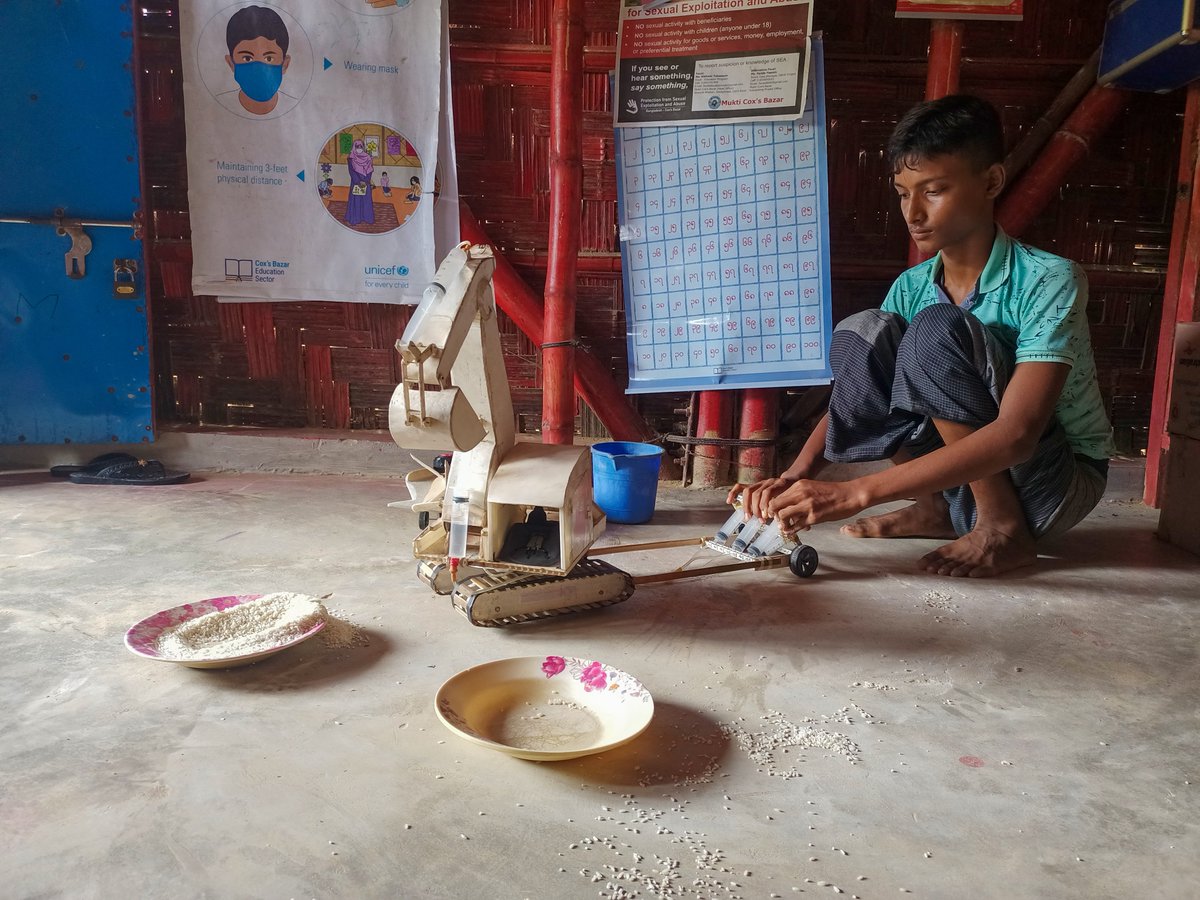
x,y
714,102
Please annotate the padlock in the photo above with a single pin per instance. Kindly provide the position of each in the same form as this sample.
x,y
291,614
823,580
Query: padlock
x,y
125,280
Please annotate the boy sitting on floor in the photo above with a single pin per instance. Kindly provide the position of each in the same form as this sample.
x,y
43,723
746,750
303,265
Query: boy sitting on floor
x,y
976,377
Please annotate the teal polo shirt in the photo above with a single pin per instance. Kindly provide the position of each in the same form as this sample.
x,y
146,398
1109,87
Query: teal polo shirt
x,y
1035,304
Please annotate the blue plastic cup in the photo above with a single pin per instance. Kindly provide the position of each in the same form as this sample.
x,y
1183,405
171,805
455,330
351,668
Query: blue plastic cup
x,y
625,480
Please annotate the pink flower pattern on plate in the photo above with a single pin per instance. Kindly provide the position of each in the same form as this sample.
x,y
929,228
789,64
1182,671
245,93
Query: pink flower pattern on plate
x,y
593,677
597,677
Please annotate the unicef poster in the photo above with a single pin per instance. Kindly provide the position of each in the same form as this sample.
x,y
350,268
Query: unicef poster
x,y
313,148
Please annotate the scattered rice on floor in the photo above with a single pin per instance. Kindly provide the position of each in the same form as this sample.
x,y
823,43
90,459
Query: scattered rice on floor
x,y
938,600
782,735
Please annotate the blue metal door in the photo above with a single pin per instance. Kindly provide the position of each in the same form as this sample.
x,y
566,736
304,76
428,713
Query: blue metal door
x,y
74,355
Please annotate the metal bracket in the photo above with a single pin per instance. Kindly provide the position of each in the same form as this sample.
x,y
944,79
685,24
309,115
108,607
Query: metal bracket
x,y
81,246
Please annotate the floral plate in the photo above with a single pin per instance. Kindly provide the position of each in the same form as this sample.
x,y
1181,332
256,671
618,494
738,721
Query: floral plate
x,y
143,637
545,707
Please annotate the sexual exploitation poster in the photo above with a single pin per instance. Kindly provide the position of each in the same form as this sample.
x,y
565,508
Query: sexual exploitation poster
x,y
699,62
313,148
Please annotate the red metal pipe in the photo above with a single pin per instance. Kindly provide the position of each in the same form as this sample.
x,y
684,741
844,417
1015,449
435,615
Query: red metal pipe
x,y
566,200
941,77
945,58
714,419
1179,299
760,414
1051,120
593,379
1028,197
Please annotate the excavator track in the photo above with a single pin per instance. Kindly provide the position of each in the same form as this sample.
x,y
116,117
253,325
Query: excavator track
x,y
501,597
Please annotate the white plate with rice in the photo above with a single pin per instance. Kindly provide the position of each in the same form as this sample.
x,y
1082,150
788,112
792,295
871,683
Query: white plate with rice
x,y
224,632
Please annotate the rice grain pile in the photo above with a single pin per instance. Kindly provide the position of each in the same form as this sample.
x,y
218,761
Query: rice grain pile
x,y
340,633
257,625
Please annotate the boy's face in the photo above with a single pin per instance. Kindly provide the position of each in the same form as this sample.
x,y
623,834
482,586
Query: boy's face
x,y
260,49
947,199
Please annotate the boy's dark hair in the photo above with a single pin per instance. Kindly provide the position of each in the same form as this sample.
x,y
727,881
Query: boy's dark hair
x,y
957,124
255,22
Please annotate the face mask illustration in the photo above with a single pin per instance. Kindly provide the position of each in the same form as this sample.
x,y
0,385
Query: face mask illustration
x,y
258,80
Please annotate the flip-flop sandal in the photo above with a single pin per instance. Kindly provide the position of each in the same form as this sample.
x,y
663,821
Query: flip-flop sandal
x,y
137,471
94,465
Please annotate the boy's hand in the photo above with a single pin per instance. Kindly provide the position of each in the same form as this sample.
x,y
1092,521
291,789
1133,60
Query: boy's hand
x,y
755,497
808,503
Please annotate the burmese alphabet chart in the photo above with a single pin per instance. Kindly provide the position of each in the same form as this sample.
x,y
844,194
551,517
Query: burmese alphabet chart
x,y
725,251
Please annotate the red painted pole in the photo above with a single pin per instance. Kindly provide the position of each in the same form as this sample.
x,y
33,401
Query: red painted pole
x,y
760,412
941,77
1024,200
593,379
566,192
714,419
1051,120
1179,300
945,58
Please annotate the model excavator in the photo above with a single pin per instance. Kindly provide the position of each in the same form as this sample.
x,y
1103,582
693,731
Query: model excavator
x,y
520,516
515,520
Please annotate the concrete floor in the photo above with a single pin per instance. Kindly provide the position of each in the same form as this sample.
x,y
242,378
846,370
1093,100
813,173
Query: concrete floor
x,y
1027,737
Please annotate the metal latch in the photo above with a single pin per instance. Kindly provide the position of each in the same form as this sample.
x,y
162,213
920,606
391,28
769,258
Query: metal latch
x,y
125,283
81,246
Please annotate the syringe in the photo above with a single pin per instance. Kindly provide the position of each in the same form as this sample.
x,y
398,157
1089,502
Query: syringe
x,y
747,534
460,514
733,524
771,540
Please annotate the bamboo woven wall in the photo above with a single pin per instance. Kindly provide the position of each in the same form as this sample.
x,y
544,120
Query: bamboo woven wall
x,y
331,365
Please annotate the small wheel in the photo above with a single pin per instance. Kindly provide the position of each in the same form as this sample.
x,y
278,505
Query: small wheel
x,y
803,561
423,520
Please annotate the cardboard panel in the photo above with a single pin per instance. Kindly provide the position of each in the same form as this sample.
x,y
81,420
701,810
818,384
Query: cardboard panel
x,y
1178,522
1183,418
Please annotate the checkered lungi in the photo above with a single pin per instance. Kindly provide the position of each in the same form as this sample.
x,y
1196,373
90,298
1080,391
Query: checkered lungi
x,y
892,377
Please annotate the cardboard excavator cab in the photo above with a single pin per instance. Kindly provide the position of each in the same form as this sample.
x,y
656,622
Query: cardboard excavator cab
x,y
523,506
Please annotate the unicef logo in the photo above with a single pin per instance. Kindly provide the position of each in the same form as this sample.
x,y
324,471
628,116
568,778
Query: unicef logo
x,y
402,270
714,102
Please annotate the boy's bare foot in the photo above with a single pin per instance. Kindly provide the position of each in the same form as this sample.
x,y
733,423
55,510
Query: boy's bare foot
x,y
982,553
928,517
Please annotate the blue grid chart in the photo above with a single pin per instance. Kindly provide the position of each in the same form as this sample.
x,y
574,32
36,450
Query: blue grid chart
x,y
725,251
